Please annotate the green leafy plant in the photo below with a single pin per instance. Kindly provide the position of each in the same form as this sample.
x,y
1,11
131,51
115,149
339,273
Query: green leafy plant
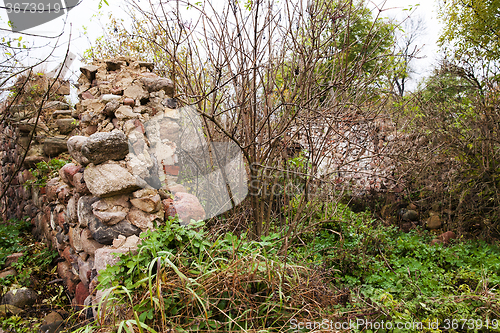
x,y
45,171
192,283
19,324
15,237
34,269
402,275
183,278
10,240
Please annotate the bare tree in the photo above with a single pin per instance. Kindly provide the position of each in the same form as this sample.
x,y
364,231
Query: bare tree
x,y
273,78
407,49
17,70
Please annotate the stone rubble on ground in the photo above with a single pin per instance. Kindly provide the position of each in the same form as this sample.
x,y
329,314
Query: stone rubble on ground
x,y
20,298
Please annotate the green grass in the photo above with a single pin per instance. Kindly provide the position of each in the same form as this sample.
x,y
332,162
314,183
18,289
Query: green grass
x,y
349,268
15,236
403,276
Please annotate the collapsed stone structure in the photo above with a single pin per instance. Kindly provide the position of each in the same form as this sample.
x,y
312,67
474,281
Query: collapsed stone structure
x,y
123,136
354,151
361,155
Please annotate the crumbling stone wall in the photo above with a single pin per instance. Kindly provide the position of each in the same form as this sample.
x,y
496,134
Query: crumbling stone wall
x,y
123,143
355,152
53,126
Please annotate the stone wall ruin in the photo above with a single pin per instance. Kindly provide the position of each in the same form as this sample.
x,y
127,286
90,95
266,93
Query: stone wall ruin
x,y
122,137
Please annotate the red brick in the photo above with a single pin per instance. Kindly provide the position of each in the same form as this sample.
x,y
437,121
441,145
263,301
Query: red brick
x,y
172,170
87,95
81,293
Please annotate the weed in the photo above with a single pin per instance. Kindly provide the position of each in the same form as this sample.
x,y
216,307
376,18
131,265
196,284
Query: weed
x,y
45,171
15,236
19,324
33,270
402,275
179,279
10,240
346,268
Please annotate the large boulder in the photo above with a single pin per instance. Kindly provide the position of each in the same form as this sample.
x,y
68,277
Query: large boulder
x,y
188,207
74,145
109,179
106,234
103,146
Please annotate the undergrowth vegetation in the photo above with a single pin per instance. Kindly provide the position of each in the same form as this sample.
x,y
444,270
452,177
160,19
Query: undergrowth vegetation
x,y
15,237
452,157
44,171
351,269
34,269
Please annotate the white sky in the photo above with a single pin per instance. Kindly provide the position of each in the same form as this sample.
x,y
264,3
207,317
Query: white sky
x,y
427,9
83,18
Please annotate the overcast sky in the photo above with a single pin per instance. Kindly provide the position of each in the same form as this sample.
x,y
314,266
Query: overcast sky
x,y
84,18
427,9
